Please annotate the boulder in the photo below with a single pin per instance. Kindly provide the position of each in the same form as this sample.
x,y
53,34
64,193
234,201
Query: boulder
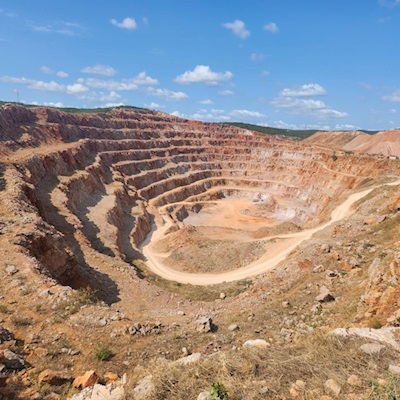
x,y
325,295
260,343
89,378
144,388
372,348
5,335
332,387
204,324
13,361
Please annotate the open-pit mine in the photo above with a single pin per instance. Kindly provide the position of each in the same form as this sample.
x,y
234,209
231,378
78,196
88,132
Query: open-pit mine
x,y
135,204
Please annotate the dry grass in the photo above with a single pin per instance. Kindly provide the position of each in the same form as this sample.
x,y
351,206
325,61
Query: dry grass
x,y
247,372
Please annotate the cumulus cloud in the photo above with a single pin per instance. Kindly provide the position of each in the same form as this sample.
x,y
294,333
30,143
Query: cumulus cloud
x,y
126,23
62,74
203,74
311,107
99,69
154,105
246,114
312,89
271,27
395,96
167,94
51,86
76,88
142,79
46,70
238,27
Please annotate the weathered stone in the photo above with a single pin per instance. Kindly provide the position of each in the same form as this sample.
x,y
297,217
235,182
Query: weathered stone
x,y
325,295
54,378
110,377
332,387
204,324
233,327
394,369
222,295
5,335
12,360
286,304
204,396
89,378
144,388
372,348
325,248
11,269
261,343
354,380
318,268
192,359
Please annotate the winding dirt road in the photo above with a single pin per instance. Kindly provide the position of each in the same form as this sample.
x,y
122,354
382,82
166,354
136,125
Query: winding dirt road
x,y
266,263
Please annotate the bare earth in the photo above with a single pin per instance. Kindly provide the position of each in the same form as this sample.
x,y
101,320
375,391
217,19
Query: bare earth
x,y
270,260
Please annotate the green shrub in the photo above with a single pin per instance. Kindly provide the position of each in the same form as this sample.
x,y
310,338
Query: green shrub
x,y
218,391
103,353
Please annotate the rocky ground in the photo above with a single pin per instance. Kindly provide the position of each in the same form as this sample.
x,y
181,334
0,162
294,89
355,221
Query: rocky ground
x,y
81,317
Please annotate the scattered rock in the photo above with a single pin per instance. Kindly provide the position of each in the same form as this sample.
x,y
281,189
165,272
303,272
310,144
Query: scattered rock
x,y
332,387
110,377
318,268
54,378
354,380
145,329
372,348
286,304
204,396
192,359
394,319
233,327
89,378
325,248
11,270
261,343
325,295
394,369
5,335
331,274
222,295
204,324
13,361
144,388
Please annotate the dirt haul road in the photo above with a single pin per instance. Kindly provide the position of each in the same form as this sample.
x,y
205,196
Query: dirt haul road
x,y
265,264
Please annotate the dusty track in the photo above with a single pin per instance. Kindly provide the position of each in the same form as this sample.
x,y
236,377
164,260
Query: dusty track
x,y
266,263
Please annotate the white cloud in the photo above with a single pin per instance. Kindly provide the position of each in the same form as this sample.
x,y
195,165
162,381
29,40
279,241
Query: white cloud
x,y
177,114
395,96
154,105
62,74
265,73
76,88
315,108
206,102
62,28
226,92
112,96
392,111
246,114
46,70
257,56
271,27
99,69
238,27
203,73
312,89
167,94
345,127
48,103
142,79
126,23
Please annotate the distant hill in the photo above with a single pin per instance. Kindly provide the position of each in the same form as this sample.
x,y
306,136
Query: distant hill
x,y
283,133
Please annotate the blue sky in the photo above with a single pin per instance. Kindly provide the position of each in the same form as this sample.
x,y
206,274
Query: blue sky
x,y
317,64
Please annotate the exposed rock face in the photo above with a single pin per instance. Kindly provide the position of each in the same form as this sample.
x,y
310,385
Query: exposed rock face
x,y
102,180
